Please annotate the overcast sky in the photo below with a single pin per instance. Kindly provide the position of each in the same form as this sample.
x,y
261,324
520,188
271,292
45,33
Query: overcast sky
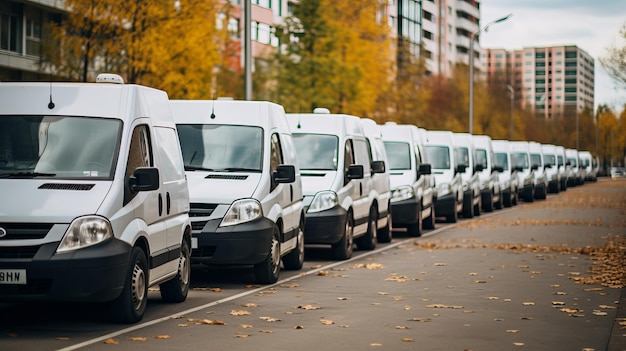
x,y
591,25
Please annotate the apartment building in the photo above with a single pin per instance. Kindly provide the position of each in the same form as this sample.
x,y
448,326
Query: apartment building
x,y
552,81
441,27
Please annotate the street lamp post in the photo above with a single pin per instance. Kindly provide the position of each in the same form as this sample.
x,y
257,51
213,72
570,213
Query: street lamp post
x,y
471,68
510,87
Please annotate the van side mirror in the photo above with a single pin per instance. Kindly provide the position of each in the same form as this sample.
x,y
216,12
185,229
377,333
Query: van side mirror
x,y
460,169
355,172
498,169
534,167
144,179
518,169
424,168
568,163
378,166
478,168
285,174
547,166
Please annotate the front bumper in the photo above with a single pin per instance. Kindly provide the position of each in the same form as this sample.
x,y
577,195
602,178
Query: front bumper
x,y
406,211
325,227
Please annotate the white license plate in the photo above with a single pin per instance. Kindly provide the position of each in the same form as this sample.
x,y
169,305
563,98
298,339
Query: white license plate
x,y
13,276
194,243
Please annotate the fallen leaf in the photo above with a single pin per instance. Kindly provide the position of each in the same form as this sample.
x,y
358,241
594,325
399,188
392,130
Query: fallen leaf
x,y
298,327
111,342
309,307
600,313
62,338
138,338
326,321
558,303
246,326
376,344
161,336
182,325
512,331
239,313
270,319
518,343
241,336
322,273
407,340
401,327
528,303
250,304
266,331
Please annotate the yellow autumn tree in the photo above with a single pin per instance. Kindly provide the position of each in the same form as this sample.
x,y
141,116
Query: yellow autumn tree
x,y
170,45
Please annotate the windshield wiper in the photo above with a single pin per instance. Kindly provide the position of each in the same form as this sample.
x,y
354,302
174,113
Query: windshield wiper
x,y
238,169
198,168
26,175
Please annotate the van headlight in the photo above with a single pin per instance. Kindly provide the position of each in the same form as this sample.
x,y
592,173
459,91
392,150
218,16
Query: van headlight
x,y
242,211
403,192
444,189
324,200
85,231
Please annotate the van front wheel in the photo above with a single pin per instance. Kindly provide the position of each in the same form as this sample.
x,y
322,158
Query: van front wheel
x,y
368,241
295,259
176,289
130,306
342,250
267,272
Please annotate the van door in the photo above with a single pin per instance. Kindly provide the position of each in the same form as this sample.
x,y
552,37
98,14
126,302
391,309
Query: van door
x,y
363,187
280,192
148,206
175,193
294,207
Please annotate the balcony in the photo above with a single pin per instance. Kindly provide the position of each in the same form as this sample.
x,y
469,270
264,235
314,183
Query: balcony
x,y
467,8
464,23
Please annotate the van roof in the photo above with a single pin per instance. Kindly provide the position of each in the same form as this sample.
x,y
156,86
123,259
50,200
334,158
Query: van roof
x,y
235,112
401,132
439,137
120,101
334,124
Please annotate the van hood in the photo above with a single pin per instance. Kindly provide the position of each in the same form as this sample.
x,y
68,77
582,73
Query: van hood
x,y
50,200
442,176
401,177
221,188
313,182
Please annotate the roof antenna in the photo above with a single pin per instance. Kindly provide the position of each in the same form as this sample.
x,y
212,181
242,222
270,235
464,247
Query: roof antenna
x,y
50,104
299,126
213,105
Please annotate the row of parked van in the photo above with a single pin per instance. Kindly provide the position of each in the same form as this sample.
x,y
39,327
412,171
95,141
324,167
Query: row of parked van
x,y
113,188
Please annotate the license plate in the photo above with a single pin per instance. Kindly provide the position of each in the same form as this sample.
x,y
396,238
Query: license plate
x,y
13,276
194,243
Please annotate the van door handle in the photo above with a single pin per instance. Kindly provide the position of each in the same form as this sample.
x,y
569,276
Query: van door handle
x,y
360,189
160,205
168,202
291,193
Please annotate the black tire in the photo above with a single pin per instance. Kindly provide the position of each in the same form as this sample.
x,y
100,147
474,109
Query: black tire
x,y
507,201
130,306
453,217
368,241
294,260
268,271
342,250
478,206
429,223
176,289
488,205
515,198
385,234
468,210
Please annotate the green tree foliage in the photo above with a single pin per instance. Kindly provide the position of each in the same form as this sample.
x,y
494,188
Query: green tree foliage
x,y
337,56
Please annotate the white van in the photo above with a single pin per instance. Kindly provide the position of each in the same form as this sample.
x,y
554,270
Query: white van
x,y
508,174
244,185
339,197
380,180
541,178
520,156
551,166
99,200
489,175
439,149
413,197
572,160
464,155
586,164
561,161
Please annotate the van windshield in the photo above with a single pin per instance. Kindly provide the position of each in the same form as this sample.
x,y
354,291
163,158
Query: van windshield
x,y
520,159
316,151
221,148
58,146
399,155
502,160
535,159
549,160
439,156
481,157
461,156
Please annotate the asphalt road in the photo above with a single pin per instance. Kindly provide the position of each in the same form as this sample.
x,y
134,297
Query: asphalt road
x,y
547,275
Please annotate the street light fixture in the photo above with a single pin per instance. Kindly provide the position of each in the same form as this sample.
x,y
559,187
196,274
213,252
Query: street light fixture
x,y
471,68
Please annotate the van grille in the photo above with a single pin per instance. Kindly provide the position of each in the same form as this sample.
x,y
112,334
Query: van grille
x,y
21,231
61,186
34,287
198,225
204,251
201,210
228,177
24,252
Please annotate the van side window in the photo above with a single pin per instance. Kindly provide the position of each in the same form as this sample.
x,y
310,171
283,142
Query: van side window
x,y
276,157
348,159
139,155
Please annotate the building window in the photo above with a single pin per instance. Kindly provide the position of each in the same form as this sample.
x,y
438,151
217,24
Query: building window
x,y
263,33
8,31
33,32
428,16
428,35
263,3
